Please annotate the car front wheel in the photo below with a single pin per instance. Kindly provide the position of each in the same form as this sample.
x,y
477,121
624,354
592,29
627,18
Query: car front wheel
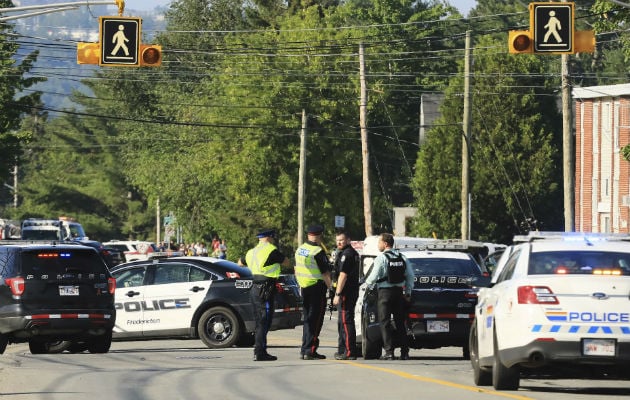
x,y
219,328
481,376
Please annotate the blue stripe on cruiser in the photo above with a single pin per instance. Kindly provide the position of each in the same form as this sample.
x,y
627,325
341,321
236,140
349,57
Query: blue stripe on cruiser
x,y
536,328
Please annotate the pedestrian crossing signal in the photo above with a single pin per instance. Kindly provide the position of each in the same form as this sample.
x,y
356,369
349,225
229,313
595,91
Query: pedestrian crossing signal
x,y
520,42
150,55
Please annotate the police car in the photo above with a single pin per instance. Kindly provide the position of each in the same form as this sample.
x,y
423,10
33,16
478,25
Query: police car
x,y
559,305
195,297
442,301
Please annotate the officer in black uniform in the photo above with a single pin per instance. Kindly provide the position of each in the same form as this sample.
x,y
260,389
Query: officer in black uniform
x,y
346,295
393,275
265,261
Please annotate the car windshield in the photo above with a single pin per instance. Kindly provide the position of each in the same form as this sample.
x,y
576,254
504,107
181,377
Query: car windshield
x,y
579,262
443,266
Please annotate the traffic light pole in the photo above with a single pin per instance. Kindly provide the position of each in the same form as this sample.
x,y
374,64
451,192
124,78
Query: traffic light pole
x,y
568,166
56,7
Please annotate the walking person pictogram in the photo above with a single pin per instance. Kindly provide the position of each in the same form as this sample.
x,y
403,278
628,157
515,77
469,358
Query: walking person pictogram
x,y
553,26
120,39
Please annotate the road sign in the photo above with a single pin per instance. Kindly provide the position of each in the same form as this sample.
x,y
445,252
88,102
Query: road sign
x,y
553,27
120,41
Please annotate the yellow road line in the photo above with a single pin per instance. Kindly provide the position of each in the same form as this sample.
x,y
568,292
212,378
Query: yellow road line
x,y
437,381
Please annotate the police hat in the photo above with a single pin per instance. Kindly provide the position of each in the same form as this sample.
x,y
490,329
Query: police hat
x,y
266,233
315,229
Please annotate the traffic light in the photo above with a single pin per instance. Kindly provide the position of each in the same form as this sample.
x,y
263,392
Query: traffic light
x,y
520,42
150,55
88,53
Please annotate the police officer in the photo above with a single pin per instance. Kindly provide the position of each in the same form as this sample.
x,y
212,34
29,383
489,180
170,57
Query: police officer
x,y
312,272
265,261
346,295
392,273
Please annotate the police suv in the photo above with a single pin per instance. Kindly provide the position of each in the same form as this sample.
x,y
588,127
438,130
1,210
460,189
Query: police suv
x,y
196,297
50,293
442,301
558,304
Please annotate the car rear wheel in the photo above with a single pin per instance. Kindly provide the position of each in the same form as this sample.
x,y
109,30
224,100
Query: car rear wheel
x,y
504,378
100,344
481,376
219,328
38,346
370,349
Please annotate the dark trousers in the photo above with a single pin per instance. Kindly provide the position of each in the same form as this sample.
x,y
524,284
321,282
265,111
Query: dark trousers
x,y
314,298
391,303
347,331
263,313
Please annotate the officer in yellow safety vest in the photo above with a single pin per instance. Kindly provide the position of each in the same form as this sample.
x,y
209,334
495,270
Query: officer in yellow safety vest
x,y
265,261
312,272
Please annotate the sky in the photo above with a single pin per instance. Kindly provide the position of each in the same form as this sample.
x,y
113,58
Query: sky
x,y
464,6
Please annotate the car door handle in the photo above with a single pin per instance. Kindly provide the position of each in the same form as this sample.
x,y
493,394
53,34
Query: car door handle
x,y
131,293
197,289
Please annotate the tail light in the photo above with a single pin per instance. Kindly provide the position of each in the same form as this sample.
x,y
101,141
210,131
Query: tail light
x,y
279,287
111,285
536,295
16,285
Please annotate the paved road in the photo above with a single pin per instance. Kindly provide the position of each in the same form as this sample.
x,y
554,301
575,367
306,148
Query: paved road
x,y
185,369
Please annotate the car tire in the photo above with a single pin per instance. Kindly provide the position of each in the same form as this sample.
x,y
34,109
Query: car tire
x,y
504,378
58,346
370,349
4,341
100,344
481,376
77,347
38,346
219,328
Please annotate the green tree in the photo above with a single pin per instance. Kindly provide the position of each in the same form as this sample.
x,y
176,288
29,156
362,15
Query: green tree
x,y
14,103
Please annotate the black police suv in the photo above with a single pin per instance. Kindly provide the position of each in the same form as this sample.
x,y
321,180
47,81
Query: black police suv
x,y
442,303
55,292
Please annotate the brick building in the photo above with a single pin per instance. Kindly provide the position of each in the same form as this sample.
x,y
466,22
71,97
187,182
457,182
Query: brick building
x,y
602,175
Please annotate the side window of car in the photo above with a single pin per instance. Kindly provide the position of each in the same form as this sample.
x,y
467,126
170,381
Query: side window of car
x,y
171,273
197,274
510,265
130,278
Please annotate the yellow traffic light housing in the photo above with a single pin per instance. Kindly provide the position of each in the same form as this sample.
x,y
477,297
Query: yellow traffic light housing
x,y
520,42
88,53
150,55
584,41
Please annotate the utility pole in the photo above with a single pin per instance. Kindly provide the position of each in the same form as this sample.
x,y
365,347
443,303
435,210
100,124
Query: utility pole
x,y
567,149
157,221
301,179
465,221
367,202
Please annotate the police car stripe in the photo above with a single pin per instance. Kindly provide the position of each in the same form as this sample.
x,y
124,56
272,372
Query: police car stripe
x,y
287,309
582,329
69,316
449,316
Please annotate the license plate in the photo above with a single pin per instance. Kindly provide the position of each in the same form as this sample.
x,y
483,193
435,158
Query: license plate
x,y
437,326
68,290
599,347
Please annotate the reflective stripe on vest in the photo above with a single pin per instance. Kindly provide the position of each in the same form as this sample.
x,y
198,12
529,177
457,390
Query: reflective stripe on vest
x,y
257,257
307,271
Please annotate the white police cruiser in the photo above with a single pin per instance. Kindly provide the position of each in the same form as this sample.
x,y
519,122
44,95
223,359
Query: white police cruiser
x,y
195,297
559,306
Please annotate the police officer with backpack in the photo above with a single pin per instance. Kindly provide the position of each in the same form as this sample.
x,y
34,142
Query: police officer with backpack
x,y
393,275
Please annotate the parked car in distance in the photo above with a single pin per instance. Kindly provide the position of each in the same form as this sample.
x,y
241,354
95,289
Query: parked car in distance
x,y
133,250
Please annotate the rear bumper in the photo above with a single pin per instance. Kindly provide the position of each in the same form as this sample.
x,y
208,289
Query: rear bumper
x,y
420,338
59,325
543,353
286,319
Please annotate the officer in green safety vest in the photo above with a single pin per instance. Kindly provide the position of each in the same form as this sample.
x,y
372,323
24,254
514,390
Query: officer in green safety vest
x,y
265,261
312,272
